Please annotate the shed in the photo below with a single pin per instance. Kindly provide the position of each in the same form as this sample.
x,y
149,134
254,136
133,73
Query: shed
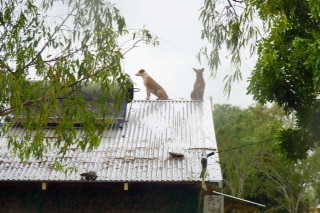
x,y
150,163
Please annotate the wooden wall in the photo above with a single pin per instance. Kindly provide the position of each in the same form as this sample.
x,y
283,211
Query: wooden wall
x,y
97,197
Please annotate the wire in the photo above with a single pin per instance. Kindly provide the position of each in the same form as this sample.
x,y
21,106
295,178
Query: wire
x,y
251,144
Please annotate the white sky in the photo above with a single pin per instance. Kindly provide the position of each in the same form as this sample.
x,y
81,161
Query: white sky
x,y
176,23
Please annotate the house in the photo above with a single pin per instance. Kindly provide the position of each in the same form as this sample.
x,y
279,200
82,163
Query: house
x,y
151,163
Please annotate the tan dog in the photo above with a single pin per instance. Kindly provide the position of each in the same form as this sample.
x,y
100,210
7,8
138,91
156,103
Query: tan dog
x,y
152,86
198,88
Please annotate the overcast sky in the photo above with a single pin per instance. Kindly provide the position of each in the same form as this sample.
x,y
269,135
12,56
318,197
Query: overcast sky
x,y
176,23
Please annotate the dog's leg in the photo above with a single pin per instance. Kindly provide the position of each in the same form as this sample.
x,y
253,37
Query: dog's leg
x,y
161,95
192,95
148,94
201,95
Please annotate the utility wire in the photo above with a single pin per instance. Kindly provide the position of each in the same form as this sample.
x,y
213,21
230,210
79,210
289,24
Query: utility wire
x,y
251,144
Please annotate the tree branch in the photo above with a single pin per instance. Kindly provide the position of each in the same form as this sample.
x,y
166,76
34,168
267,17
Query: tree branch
x,y
47,43
8,68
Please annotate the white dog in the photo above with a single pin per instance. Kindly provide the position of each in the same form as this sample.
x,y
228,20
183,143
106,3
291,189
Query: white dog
x,y
152,86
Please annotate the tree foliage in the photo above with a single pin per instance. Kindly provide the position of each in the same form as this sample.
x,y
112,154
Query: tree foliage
x,y
229,25
287,70
252,166
66,52
236,132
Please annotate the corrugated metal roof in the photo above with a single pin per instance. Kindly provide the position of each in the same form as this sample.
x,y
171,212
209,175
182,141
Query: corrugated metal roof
x,y
137,152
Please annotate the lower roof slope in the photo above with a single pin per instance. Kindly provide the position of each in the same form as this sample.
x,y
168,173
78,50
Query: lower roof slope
x,y
138,152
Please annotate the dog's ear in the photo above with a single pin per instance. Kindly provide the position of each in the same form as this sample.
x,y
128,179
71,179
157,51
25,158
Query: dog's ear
x,y
141,71
199,70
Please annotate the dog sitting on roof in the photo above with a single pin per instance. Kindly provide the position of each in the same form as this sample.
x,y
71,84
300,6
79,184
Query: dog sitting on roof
x,y
198,88
152,86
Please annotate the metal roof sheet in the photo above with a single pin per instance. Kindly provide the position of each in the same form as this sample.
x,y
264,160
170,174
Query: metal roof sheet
x,y
138,152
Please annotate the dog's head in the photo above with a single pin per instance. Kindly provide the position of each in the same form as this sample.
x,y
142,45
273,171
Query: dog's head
x,y
141,72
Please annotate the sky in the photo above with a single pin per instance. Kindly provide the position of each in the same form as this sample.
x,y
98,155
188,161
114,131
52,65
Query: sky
x,y
176,23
